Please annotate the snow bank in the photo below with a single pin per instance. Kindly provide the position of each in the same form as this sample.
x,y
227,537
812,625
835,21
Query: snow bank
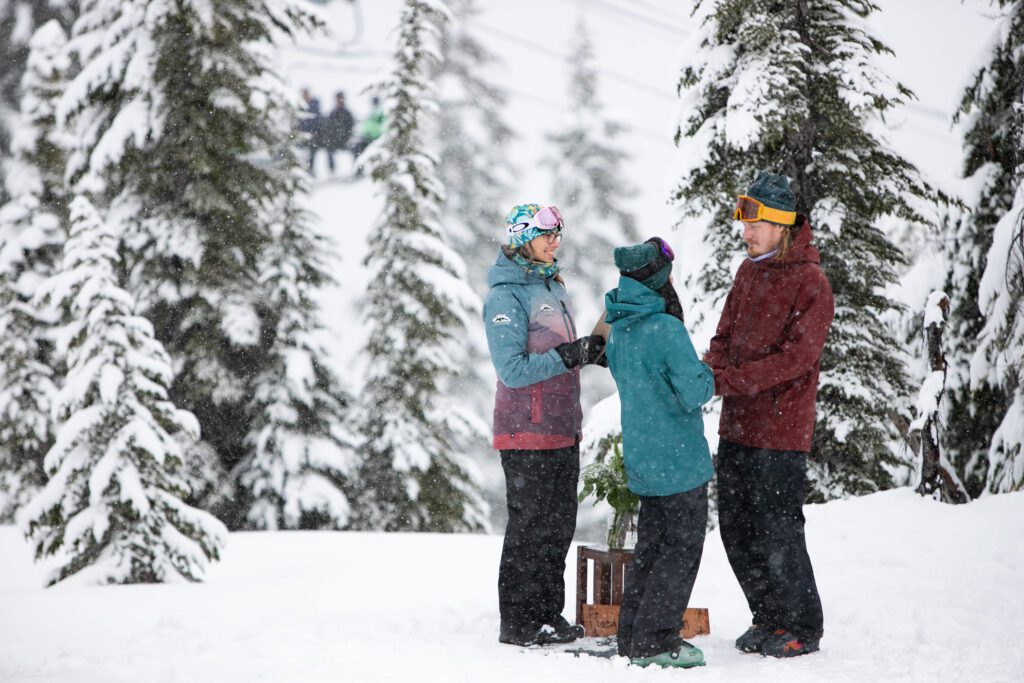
x,y
913,590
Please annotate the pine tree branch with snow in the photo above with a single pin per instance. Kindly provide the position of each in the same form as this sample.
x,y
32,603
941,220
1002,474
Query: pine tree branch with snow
x,y
32,230
19,21
473,142
999,356
589,180
301,444
473,139
414,474
112,509
183,123
985,407
795,88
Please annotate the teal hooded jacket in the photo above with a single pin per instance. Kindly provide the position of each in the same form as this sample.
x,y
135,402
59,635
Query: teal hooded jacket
x,y
537,399
662,385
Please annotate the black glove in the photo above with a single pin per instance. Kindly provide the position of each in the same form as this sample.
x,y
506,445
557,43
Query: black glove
x,y
582,351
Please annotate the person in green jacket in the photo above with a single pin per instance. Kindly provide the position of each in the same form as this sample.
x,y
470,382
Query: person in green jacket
x,y
371,128
662,385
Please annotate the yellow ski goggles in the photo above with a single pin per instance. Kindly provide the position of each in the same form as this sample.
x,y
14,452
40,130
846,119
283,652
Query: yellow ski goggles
x,y
749,210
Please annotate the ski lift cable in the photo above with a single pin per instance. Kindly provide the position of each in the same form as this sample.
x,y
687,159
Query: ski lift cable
x,y
329,67
658,9
555,54
672,29
652,13
345,51
627,127
917,128
336,53
920,109
913,106
929,111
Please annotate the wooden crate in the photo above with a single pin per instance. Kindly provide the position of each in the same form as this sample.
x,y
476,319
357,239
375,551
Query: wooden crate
x,y
608,581
603,620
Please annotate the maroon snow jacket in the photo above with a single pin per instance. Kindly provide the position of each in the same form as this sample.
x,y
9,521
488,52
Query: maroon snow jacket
x,y
766,352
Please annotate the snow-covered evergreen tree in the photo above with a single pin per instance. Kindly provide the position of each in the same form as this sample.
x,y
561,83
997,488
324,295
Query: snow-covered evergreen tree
x,y
590,183
473,159
473,150
999,359
185,127
32,230
995,103
981,400
112,510
794,87
300,452
19,20
414,474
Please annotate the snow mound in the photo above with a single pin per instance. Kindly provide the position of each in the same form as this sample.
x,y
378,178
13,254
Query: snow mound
x,y
913,590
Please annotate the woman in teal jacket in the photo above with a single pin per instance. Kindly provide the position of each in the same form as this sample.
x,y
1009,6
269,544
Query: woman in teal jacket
x,y
532,339
662,385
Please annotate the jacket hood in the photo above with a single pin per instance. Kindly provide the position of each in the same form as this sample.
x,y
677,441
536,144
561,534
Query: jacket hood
x,y
800,250
631,300
505,271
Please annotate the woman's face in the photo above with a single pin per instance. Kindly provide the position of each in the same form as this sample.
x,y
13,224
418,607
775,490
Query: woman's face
x,y
543,248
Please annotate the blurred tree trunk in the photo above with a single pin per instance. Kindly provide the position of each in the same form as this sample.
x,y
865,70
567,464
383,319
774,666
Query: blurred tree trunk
x,y
937,477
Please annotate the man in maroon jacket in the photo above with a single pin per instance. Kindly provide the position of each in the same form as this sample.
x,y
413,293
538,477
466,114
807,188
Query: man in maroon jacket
x,y
766,354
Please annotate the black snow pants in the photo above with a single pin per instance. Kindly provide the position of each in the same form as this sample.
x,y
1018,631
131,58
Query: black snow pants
x,y
660,577
540,490
760,511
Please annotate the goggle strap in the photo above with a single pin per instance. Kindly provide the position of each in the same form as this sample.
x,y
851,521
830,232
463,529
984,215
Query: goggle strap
x,y
778,216
662,246
641,274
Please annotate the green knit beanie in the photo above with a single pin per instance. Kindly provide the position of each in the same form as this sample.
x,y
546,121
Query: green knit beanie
x,y
772,189
628,259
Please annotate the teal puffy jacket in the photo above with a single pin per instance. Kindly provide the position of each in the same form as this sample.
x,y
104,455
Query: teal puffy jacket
x,y
662,385
537,400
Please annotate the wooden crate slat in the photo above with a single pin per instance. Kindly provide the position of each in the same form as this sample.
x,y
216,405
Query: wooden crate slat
x,y
603,620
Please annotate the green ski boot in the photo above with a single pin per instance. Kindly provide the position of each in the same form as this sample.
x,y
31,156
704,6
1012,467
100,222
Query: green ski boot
x,y
685,657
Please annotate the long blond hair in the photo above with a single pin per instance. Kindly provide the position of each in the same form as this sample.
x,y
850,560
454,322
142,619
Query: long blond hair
x,y
785,243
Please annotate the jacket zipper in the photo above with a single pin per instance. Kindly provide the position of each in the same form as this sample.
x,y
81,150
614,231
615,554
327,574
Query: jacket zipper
x,y
570,327
567,319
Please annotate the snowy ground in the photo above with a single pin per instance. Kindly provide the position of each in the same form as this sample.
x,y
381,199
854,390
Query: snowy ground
x,y
912,590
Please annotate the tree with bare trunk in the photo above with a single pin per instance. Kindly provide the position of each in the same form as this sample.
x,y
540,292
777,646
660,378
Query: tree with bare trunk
x,y
937,478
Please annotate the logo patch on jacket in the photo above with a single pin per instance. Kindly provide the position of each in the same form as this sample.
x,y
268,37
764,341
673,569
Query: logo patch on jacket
x,y
501,319
545,308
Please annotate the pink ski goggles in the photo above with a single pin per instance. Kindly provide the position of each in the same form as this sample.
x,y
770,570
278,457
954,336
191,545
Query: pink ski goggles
x,y
548,218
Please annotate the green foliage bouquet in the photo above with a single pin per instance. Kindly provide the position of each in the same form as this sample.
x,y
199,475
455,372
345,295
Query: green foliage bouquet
x,y
605,479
